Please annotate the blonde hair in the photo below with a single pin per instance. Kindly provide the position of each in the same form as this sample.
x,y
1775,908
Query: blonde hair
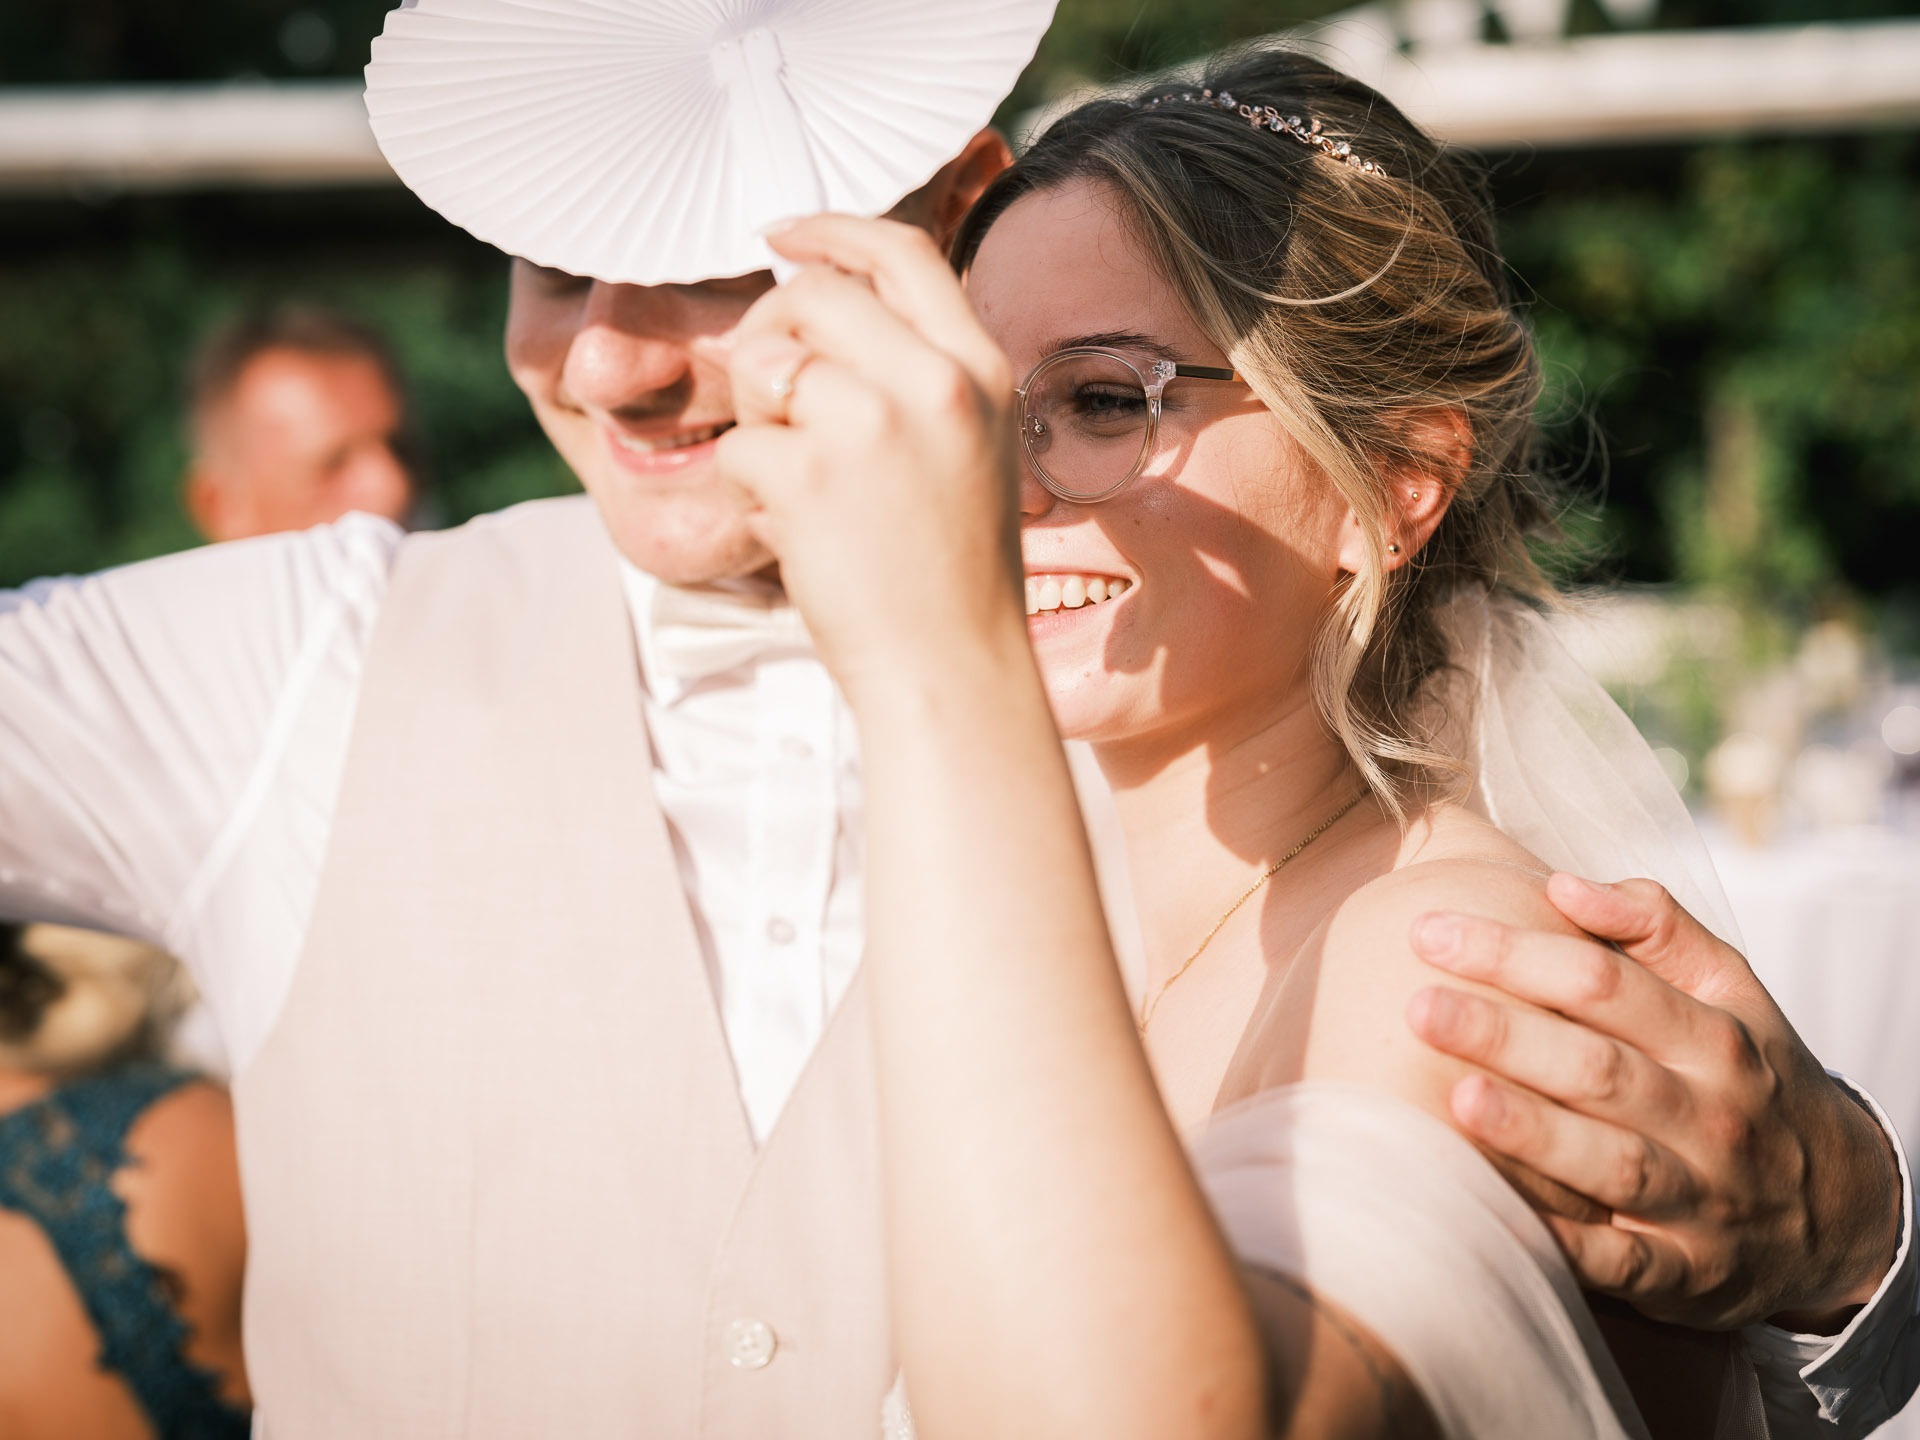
x,y
1371,312
73,1001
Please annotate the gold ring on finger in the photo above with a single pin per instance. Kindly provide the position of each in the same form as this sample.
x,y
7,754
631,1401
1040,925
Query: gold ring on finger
x,y
782,385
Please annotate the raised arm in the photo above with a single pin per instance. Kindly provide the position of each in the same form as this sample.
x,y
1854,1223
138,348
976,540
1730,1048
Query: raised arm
x,y
143,710
1055,1269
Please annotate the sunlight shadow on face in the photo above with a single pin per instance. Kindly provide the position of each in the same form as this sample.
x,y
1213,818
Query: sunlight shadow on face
x,y
1229,533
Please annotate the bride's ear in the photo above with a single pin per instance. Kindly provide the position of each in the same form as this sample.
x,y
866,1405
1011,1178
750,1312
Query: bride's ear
x,y
1417,493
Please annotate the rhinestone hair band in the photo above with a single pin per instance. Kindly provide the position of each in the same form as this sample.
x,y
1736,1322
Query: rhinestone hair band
x,y
1268,118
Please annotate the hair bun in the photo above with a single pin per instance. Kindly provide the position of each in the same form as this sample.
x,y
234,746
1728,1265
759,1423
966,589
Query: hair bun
x,y
74,999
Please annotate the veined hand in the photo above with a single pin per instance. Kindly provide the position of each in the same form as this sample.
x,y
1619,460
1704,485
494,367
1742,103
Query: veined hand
x,y
1738,1180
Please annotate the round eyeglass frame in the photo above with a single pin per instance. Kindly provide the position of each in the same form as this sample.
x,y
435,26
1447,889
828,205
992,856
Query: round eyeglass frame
x,y
1154,380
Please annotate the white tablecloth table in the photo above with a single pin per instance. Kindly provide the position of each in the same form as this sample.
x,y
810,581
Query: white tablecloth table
x,y
1832,928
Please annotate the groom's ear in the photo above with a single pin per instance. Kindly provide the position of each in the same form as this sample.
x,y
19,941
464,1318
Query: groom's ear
x,y
942,203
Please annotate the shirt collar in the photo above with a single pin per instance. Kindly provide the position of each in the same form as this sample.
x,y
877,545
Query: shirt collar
x,y
641,590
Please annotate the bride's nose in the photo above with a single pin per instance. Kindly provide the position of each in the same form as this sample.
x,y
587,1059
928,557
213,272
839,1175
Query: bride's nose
x,y
1036,501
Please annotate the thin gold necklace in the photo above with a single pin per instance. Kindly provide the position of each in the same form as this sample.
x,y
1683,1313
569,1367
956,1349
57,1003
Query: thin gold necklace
x,y
1153,1004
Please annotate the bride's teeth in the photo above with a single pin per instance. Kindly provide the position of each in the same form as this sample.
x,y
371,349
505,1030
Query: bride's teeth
x,y
1070,592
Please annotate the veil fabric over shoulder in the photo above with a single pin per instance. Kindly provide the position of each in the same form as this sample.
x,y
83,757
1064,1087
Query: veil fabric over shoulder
x,y
1560,768
1381,1209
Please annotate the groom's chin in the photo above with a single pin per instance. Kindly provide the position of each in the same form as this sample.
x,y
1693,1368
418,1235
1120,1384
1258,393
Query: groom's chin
x,y
689,537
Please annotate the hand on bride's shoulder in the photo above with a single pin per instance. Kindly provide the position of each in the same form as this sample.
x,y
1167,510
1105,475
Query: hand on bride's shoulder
x,y
1339,1013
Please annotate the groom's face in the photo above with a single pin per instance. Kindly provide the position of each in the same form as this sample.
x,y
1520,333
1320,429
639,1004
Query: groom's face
x,y
628,403
620,390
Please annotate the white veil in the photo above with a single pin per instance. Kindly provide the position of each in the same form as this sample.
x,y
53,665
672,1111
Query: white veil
x,y
1559,767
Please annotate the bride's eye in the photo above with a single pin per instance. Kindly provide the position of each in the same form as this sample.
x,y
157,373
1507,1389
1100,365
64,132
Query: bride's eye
x,y
1107,404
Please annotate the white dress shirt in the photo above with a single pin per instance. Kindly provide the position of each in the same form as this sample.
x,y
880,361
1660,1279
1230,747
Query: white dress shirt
x,y
757,769
177,751
172,737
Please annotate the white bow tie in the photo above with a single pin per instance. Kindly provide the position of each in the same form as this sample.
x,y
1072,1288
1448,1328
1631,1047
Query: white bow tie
x,y
698,633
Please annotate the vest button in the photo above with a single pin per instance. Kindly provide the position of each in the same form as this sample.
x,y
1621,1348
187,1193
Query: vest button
x,y
750,1344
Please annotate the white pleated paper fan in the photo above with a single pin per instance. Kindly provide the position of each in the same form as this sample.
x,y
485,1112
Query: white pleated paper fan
x,y
648,141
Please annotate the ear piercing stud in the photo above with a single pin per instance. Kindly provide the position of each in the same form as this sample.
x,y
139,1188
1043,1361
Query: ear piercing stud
x,y
1393,549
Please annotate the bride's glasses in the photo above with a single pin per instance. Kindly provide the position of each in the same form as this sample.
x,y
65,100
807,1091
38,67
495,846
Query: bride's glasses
x,y
1089,418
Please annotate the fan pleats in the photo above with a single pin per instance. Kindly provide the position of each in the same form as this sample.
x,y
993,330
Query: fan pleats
x,y
597,136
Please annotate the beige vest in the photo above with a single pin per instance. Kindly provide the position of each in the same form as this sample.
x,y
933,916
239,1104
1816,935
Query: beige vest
x,y
498,1179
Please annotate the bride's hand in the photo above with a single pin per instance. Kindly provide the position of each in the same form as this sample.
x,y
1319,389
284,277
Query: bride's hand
x,y
874,439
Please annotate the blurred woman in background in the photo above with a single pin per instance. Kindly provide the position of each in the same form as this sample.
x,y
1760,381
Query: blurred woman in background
x,y
122,1243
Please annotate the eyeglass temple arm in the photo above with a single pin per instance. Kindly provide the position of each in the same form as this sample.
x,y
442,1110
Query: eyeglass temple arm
x,y
1204,372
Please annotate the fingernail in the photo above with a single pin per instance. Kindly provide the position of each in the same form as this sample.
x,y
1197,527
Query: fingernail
x,y
1437,936
773,229
1591,887
1433,1011
1479,1104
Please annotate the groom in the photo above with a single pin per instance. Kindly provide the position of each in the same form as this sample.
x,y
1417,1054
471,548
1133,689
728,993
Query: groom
x,y
521,864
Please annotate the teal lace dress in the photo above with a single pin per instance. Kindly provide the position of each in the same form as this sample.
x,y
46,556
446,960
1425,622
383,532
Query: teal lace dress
x,y
57,1155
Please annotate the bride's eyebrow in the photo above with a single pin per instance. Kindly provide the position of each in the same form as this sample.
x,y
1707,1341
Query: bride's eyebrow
x,y
1113,340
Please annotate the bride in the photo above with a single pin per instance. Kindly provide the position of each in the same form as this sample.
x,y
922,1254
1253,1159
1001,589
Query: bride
x,y
1265,489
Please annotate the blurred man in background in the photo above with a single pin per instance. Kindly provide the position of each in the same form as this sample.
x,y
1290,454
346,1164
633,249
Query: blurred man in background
x,y
298,416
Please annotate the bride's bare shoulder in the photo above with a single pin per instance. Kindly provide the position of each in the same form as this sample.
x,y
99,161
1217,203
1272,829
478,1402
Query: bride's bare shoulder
x,y
1355,978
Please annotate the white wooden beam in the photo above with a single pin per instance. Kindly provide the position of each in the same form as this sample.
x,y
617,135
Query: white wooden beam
x,y
1648,86
1597,90
304,133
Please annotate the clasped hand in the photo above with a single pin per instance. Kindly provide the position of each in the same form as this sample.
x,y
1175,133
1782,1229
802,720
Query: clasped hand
x,y
875,445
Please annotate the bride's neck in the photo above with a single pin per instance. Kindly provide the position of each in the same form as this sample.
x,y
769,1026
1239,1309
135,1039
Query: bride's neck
x,y
1204,814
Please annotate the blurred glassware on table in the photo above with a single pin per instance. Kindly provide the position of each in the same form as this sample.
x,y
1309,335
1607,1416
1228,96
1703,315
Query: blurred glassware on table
x,y
1772,732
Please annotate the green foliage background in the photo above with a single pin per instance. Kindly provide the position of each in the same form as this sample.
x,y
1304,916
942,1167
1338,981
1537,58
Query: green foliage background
x,y
101,304
1733,330
1742,323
